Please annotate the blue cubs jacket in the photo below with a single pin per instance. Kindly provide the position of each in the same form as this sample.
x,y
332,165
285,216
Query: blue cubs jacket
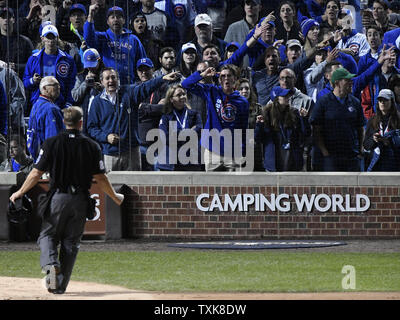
x,y
45,121
223,112
65,74
120,52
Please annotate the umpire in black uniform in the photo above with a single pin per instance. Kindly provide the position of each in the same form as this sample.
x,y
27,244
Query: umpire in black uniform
x,y
73,160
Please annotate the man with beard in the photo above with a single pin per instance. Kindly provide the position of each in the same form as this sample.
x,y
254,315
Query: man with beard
x,y
204,34
70,24
117,46
167,59
337,121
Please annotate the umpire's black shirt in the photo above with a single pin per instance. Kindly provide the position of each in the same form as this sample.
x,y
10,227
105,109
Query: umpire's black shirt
x,y
71,158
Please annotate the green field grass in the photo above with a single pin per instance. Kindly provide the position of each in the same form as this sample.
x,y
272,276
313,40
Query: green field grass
x,y
217,271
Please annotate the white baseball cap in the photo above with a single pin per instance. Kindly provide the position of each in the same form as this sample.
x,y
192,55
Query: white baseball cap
x,y
49,29
187,46
202,18
386,94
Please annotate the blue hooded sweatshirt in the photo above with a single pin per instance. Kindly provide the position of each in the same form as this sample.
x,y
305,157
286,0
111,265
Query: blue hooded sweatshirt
x,y
65,74
120,52
223,112
45,121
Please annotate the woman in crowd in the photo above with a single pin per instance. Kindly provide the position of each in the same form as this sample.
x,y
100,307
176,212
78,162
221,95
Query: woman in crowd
x,y
255,109
178,116
87,84
140,29
287,25
189,59
330,18
382,137
281,130
310,30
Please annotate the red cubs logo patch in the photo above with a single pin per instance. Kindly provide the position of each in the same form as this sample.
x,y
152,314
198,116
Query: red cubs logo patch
x,y
179,11
63,69
228,112
354,47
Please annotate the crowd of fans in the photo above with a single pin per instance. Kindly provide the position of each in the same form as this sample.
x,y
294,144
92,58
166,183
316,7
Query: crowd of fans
x,y
317,81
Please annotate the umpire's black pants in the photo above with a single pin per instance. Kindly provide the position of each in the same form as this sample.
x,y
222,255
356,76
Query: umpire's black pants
x,y
65,225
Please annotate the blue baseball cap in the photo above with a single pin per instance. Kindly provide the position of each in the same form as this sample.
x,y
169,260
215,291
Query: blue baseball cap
x,y
115,9
91,58
78,6
144,62
45,23
279,92
232,44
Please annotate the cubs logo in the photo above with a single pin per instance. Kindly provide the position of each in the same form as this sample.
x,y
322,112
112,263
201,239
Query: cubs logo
x,y
63,69
354,47
228,112
179,11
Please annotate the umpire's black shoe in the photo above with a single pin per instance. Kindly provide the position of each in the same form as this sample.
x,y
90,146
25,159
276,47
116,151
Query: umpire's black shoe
x,y
56,291
51,272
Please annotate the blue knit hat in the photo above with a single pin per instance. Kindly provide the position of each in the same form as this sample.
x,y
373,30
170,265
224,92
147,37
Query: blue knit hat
x,y
277,91
307,24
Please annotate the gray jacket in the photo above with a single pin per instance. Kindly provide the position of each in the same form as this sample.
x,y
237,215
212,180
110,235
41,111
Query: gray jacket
x,y
237,32
17,96
314,79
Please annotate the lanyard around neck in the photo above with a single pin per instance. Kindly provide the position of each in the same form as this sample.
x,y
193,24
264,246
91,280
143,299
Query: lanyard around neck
x,y
183,123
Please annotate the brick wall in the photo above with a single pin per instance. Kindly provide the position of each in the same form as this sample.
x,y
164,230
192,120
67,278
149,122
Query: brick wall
x,y
170,211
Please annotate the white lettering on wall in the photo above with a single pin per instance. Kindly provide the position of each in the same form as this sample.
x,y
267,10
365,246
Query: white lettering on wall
x,y
282,202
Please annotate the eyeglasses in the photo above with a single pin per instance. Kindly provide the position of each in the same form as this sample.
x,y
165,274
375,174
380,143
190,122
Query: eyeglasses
x,y
52,85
